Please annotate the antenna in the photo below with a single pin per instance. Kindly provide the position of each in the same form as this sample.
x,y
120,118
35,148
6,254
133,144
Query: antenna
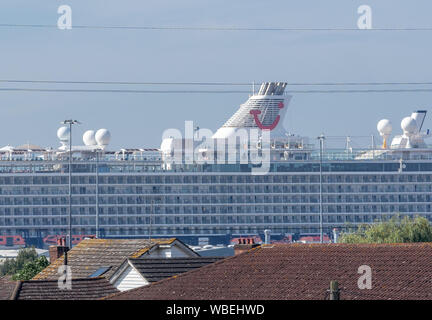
x,y
348,144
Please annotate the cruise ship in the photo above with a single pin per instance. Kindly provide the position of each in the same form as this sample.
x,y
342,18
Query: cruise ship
x,y
249,176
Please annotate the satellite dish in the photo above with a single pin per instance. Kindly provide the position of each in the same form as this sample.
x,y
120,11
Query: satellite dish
x,y
103,137
63,133
89,138
384,127
409,125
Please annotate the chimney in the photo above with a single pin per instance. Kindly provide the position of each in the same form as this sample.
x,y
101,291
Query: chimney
x,y
335,235
244,245
57,251
267,236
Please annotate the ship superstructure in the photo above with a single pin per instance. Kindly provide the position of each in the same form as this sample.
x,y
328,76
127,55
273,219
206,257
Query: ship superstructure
x,y
142,192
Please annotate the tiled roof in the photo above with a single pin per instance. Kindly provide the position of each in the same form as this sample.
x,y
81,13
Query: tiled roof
x,y
303,271
91,254
157,269
82,289
7,286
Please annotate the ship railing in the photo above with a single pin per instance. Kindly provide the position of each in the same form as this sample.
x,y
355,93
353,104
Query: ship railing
x,y
361,154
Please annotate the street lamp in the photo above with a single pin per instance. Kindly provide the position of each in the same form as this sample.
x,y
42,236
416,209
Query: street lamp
x,y
321,140
70,123
97,194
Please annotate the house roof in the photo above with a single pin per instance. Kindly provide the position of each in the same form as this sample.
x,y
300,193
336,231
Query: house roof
x,y
303,271
157,269
7,286
82,289
91,254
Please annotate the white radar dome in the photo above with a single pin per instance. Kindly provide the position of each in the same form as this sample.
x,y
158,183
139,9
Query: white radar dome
x,y
63,133
103,137
384,127
89,138
409,125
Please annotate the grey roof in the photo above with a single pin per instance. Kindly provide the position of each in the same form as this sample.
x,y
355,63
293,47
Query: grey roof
x,y
7,286
157,269
216,252
82,289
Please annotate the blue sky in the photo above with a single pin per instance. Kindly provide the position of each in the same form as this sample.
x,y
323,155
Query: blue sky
x,y
138,120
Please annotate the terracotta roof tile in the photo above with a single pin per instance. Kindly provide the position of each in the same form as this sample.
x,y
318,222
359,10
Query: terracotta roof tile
x,y
303,271
91,254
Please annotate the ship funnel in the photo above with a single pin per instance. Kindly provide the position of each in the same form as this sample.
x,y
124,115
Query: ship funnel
x,y
265,111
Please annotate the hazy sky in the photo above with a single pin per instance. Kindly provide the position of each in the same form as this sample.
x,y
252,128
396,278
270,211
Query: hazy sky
x,y
138,120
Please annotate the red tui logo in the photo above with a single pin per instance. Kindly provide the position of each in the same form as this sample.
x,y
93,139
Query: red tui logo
x,y
255,114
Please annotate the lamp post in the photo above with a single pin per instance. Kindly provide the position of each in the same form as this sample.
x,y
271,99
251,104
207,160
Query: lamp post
x,y
97,194
70,123
321,140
